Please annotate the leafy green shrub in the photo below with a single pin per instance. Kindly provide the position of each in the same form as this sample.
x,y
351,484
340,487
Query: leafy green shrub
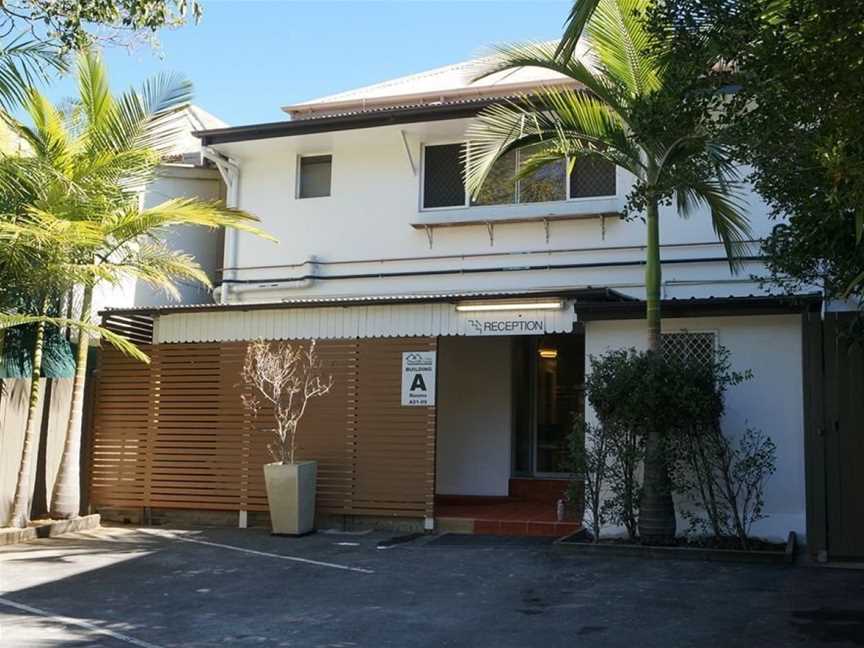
x,y
588,458
636,393
719,480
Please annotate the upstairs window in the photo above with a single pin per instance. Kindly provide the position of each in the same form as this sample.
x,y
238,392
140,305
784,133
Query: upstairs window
x,y
544,185
314,176
444,185
592,177
443,171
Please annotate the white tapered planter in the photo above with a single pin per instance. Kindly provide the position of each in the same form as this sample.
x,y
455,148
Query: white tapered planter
x,y
291,496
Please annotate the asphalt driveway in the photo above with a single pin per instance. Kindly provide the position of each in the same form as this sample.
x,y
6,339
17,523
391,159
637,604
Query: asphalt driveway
x,y
226,587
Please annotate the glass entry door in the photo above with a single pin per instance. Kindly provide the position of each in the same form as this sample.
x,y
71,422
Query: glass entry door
x,y
549,391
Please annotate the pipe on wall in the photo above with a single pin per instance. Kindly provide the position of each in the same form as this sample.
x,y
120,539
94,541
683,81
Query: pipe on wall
x,y
310,276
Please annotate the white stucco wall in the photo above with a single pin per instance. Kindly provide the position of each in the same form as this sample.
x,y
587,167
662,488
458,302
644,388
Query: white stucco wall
x,y
365,228
770,346
474,416
174,181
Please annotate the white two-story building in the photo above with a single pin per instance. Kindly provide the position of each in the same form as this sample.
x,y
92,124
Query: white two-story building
x,y
382,253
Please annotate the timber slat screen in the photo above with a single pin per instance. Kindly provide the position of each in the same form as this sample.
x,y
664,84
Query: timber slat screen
x,y
834,435
174,434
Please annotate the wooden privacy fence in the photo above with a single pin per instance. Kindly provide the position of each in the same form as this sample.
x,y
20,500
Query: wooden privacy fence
x,y
834,435
174,434
53,415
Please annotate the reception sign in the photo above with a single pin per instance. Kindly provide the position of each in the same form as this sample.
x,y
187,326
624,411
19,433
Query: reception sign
x,y
506,325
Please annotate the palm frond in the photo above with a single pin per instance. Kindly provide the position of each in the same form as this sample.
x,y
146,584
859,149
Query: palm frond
x,y
142,119
576,70
48,138
119,342
149,118
558,123
23,63
620,42
159,266
94,94
578,17
728,210
132,222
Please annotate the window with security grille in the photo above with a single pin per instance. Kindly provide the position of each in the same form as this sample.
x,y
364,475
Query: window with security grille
x,y
443,183
592,177
691,347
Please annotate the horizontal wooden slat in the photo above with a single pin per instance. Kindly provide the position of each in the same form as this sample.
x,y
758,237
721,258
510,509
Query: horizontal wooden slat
x,y
174,433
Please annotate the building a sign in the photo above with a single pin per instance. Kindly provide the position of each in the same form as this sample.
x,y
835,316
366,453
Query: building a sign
x,y
506,325
418,378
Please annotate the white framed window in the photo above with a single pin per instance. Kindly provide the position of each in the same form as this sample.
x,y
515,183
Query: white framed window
x,y
443,187
314,174
698,346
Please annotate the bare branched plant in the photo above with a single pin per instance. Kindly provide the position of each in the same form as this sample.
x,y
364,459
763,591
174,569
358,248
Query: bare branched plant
x,y
283,377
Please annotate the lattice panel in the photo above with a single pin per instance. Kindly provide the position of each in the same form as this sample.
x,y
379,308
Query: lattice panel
x,y
686,346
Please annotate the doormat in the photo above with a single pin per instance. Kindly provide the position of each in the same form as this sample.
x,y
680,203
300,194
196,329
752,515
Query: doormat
x,y
475,540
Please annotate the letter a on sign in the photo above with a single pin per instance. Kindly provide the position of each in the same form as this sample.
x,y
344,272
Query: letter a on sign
x,y
418,378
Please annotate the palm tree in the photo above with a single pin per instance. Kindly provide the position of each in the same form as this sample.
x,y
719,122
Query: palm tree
x,y
620,106
88,168
23,62
36,257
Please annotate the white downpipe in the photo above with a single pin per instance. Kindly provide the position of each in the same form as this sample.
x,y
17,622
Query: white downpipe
x,y
230,172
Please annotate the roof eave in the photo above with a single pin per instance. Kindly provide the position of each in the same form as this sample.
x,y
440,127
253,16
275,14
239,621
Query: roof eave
x,y
577,294
703,307
384,117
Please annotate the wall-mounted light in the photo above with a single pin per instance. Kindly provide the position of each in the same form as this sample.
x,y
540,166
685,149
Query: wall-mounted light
x,y
549,354
525,304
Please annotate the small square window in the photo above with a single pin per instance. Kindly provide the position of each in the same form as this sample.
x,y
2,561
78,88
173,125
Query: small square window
x,y
315,171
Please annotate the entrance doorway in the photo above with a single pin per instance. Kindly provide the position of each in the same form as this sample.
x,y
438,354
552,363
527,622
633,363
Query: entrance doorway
x,y
549,391
505,410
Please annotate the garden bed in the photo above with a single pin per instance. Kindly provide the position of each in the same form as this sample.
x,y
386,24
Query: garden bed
x,y
688,549
48,529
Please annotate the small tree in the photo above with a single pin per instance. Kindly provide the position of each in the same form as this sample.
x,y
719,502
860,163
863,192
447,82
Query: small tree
x,y
724,478
588,458
641,393
283,378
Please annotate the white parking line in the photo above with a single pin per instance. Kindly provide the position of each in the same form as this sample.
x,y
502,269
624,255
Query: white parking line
x,y
255,552
64,620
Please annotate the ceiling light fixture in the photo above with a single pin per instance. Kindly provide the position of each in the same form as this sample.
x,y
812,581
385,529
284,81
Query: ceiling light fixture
x,y
544,304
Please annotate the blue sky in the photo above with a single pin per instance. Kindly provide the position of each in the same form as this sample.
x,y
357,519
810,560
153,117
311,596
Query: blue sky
x,y
248,58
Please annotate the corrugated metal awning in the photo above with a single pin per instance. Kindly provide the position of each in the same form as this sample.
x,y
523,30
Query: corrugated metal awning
x,y
332,317
382,320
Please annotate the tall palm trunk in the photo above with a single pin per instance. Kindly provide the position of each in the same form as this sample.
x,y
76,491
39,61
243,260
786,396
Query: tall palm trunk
x,y
656,509
66,496
653,275
21,503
